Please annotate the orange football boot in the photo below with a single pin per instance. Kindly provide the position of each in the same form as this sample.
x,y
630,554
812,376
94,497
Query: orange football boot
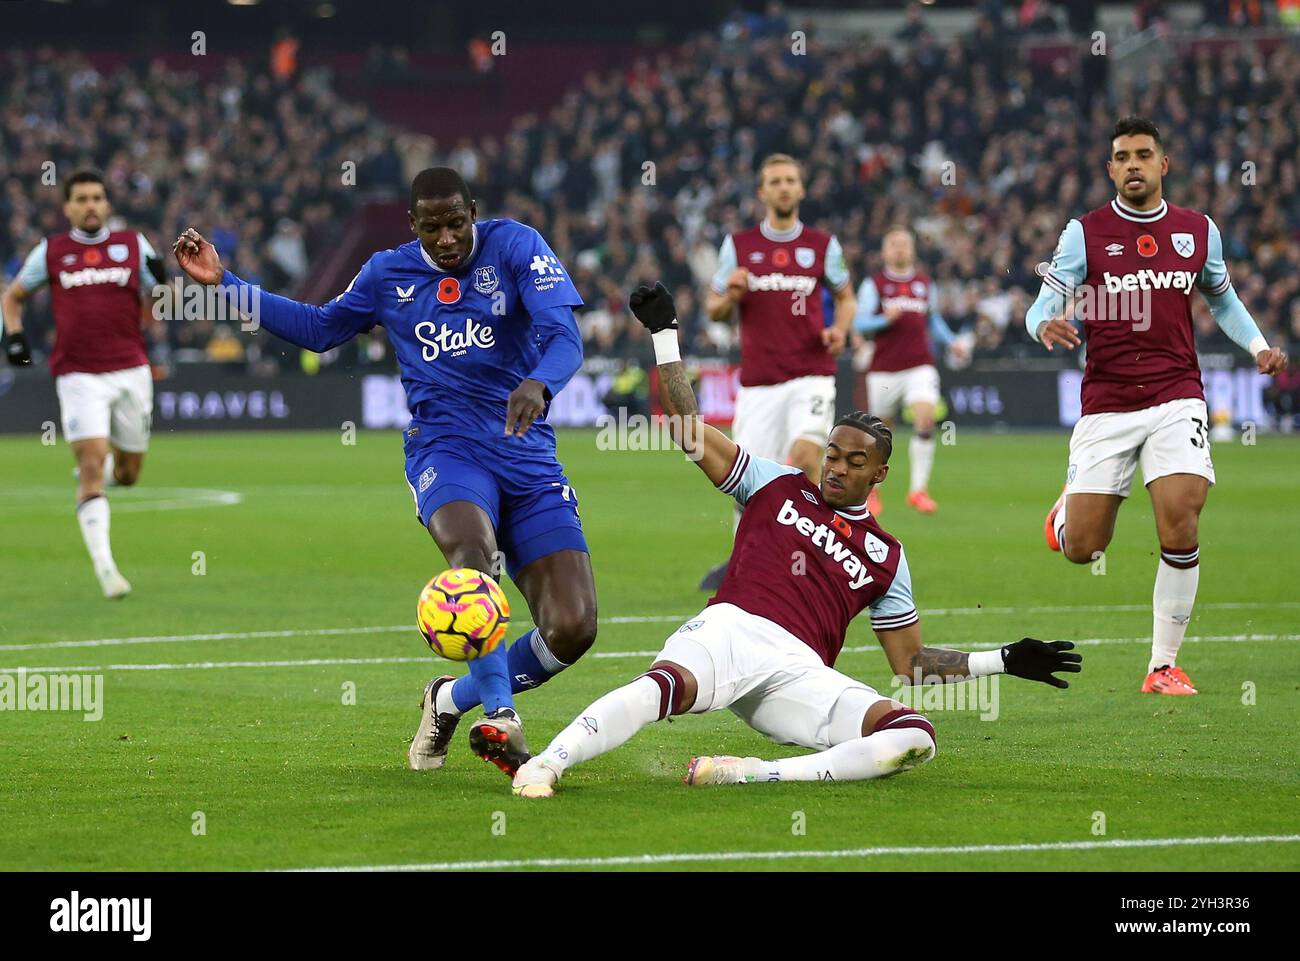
x,y
874,505
922,501
1049,527
1168,680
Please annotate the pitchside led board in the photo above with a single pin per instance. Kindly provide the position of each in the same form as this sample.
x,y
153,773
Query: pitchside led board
x,y
206,398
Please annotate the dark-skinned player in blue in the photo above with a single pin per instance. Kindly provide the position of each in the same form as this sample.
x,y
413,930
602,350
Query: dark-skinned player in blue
x,y
480,317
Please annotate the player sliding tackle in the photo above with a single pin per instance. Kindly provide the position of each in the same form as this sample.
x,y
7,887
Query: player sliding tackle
x,y
807,559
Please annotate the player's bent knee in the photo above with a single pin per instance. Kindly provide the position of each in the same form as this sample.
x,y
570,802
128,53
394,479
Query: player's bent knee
x,y
571,634
677,687
912,742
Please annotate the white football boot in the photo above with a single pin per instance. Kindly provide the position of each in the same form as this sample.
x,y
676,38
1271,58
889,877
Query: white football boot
x,y
535,778
429,748
113,584
720,769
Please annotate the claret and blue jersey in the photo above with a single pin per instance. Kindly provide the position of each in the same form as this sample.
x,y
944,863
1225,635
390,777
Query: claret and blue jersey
x,y
464,340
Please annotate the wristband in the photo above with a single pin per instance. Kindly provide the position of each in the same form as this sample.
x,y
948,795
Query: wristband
x,y
1259,343
980,663
666,349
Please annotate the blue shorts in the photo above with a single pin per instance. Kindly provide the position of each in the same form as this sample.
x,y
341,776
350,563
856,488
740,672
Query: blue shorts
x,y
522,488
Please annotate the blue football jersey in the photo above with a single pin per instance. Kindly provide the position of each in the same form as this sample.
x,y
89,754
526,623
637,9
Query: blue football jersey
x,y
464,339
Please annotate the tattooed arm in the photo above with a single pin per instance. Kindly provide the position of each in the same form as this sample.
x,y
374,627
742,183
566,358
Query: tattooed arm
x,y
1028,657
911,659
711,449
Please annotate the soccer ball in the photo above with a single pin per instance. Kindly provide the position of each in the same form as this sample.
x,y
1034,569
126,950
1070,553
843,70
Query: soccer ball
x,y
463,614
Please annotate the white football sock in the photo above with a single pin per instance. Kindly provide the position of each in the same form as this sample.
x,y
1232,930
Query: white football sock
x,y
443,703
860,759
605,724
1177,576
920,454
92,515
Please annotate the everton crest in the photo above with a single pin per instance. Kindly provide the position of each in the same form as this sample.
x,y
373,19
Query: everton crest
x,y
486,280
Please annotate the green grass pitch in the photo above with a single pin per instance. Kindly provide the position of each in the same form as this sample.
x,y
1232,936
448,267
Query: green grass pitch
x,y
319,563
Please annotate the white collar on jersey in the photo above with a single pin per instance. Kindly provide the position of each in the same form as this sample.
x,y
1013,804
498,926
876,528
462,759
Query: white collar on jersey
x,y
473,249
899,278
1139,216
81,237
780,236
858,513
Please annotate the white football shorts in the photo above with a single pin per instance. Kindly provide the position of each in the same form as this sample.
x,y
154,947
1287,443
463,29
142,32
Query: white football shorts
x,y
766,676
1170,438
770,418
889,392
117,404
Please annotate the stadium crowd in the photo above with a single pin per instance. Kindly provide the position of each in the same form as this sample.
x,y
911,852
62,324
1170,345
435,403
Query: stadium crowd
x,y
983,148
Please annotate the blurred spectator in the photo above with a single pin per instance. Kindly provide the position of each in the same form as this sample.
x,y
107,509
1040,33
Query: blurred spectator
x,y
637,173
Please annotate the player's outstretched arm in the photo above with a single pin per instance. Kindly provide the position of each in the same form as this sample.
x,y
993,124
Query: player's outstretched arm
x,y
11,308
307,326
713,450
1028,657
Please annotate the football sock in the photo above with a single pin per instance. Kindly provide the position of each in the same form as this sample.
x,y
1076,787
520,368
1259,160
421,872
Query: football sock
x,y
529,663
92,515
920,454
897,735
1177,575
487,683
611,720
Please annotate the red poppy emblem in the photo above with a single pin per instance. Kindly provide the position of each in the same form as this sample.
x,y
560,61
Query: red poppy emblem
x,y
842,526
1147,245
781,257
448,290
92,256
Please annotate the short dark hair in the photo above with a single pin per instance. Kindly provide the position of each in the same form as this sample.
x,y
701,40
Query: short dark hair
x,y
1129,126
83,177
872,426
438,182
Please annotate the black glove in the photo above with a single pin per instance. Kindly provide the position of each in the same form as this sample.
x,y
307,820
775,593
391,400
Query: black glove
x,y
16,349
157,268
1036,660
654,308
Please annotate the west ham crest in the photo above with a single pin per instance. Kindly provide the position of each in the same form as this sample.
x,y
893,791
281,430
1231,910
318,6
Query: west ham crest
x,y
804,257
1184,244
117,252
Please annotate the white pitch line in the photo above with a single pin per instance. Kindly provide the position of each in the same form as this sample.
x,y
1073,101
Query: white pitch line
x,y
631,619
907,851
343,661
